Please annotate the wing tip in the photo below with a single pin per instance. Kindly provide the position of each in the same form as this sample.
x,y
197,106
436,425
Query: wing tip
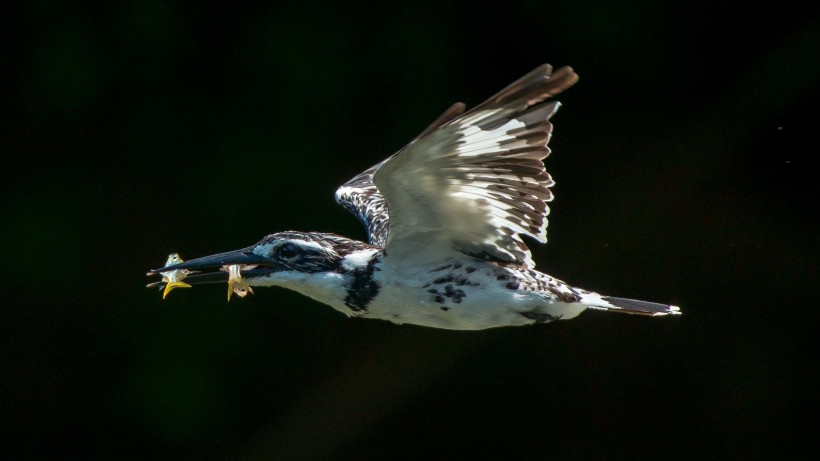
x,y
560,79
539,84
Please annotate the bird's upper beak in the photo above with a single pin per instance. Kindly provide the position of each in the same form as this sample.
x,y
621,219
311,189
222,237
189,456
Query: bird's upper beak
x,y
207,269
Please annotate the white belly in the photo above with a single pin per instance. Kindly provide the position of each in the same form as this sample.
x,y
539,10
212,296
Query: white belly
x,y
465,296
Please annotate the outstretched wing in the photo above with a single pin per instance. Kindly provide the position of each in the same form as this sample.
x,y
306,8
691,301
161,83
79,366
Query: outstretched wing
x,y
473,182
362,198
477,183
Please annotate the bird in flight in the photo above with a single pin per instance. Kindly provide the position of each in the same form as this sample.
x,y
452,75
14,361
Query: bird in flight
x,y
444,218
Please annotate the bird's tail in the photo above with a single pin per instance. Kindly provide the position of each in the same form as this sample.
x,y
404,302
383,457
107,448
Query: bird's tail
x,y
629,306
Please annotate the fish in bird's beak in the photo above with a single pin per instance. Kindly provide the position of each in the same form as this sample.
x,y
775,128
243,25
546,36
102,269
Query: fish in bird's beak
x,y
172,278
233,267
235,282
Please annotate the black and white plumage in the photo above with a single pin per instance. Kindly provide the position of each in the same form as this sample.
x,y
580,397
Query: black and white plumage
x,y
444,217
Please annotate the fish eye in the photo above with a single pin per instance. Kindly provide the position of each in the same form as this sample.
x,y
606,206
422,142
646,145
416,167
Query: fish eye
x,y
288,251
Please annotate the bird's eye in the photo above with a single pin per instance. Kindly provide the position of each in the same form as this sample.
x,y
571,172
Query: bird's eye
x,y
288,251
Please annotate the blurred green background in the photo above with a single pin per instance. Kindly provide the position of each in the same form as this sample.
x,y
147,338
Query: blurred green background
x,y
139,128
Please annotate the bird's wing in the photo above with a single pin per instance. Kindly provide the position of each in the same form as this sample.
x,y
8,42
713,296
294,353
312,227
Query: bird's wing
x,y
475,183
362,198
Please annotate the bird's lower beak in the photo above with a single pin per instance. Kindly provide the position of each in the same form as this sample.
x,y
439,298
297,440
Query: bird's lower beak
x,y
209,269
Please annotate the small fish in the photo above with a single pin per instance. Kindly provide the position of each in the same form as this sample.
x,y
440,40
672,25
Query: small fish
x,y
173,279
235,282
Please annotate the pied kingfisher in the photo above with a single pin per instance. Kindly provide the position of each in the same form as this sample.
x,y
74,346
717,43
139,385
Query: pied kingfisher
x,y
444,216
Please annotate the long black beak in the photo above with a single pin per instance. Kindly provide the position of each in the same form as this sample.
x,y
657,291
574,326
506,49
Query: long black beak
x,y
245,256
260,266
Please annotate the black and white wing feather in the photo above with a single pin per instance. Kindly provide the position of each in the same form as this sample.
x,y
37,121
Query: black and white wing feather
x,y
362,198
472,183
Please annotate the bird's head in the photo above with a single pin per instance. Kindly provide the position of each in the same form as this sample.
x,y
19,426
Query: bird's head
x,y
302,261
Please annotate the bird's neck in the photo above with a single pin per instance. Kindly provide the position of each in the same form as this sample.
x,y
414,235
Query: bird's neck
x,y
359,271
350,286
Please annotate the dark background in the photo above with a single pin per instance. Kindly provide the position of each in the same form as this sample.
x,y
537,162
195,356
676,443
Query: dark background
x,y
682,161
